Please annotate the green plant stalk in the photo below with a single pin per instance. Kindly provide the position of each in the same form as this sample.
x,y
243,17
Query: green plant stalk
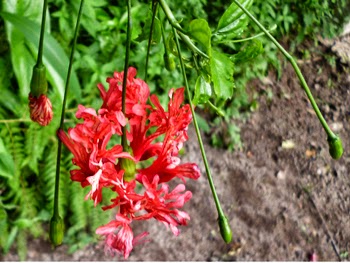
x,y
329,132
154,12
59,149
222,218
245,39
182,33
126,66
42,33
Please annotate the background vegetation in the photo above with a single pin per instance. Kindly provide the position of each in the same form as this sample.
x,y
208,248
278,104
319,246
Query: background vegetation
x,y
28,152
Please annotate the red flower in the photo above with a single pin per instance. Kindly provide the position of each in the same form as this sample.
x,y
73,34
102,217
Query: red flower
x,y
101,167
40,109
123,241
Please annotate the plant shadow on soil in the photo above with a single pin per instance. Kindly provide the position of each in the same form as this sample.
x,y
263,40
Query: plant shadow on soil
x,y
265,189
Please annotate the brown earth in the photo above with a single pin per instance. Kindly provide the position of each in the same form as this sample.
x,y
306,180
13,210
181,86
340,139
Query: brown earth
x,y
284,195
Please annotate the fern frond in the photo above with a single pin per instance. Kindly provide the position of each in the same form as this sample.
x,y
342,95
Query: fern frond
x,y
78,216
22,245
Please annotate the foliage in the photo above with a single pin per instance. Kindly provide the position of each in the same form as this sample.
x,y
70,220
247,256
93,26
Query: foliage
x,y
28,152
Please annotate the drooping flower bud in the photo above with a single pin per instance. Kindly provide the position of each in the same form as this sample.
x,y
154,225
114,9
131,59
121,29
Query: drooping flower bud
x,y
40,109
56,230
39,104
225,229
335,147
169,61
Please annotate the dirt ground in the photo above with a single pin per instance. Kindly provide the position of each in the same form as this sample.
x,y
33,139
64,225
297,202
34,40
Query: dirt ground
x,y
284,195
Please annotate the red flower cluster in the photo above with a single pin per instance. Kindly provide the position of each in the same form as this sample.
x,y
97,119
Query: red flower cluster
x,y
102,167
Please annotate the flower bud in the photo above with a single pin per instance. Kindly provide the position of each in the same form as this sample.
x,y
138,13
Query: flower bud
x,y
38,84
225,229
335,147
169,61
56,230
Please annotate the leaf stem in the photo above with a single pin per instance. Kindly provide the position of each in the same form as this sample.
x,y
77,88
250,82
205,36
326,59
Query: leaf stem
x,y
204,157
303,83
245,39
182,33
59,149
42,33
154,12
126,66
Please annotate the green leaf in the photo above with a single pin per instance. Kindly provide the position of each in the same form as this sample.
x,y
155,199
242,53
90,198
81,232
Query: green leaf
x,y
157,33
11,239
251,51
222,74
234,20
200,31
202,92
54,57
7,165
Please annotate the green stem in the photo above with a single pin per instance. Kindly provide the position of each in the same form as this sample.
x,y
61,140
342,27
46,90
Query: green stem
x,y
206,164
218,111
182,33
329,132
170,16
59,150
154,12
126,66
42,33
245,39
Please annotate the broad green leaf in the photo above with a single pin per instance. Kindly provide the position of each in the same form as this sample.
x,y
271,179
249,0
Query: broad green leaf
x,y
200,31
251,51
222,74
54,57
202,92
233,21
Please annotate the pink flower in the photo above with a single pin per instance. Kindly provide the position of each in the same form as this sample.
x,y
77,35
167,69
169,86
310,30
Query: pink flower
x,y
40,109
121,242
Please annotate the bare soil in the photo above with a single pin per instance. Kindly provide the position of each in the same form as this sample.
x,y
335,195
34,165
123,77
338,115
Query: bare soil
x,y
284,195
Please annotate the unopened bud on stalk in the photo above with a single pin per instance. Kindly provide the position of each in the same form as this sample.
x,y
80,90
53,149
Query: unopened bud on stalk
x,y
39,104
56,230
169,61
335,147
225,229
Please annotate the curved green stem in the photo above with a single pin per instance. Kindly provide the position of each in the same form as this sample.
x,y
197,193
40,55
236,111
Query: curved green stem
x,y
182,33
154,12
227,235
42,33
216,109
246,39
126,66
330,134
59,150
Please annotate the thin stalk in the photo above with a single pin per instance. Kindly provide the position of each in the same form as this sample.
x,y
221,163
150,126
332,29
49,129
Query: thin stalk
x,y
206,164
329,132
245,39
126,66
59,150
42,33
182,33
154,12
